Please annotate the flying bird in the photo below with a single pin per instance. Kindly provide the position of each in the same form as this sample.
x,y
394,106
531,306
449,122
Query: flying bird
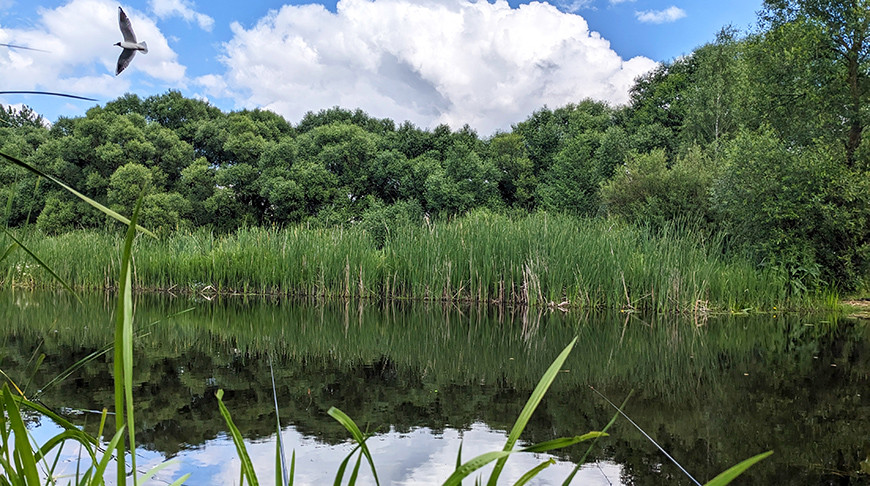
x,y
129,43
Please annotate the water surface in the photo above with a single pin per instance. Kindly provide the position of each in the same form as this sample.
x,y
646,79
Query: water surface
x,y
424,378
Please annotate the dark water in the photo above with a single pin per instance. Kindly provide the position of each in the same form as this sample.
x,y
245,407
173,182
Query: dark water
x,y
425,377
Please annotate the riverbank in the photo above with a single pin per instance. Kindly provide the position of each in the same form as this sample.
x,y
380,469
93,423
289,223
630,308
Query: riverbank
x,y
536,260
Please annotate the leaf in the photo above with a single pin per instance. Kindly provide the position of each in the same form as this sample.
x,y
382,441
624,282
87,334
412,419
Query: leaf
x,y
469,467
562,442
531,405
349,424
24,459
241,450
729,474
535,471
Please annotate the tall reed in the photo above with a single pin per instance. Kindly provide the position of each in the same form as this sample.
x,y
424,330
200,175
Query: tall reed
x,y
538,260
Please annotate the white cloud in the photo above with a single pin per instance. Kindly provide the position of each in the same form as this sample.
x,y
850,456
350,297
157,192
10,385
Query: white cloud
x,y
81,58
615,2
427,61
670,14
171,8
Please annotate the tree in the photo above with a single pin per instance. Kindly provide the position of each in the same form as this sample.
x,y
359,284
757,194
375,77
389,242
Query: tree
x,y
835,34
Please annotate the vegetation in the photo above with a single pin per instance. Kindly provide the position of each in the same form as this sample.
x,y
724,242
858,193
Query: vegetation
x,y
756,138
482,257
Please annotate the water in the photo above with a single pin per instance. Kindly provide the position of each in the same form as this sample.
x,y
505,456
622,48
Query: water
x,y
425,378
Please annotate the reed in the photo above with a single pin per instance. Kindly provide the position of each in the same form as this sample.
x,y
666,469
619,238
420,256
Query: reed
x,y
538,260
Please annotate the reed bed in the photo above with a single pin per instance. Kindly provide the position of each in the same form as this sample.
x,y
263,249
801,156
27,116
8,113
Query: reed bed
x,y
538,260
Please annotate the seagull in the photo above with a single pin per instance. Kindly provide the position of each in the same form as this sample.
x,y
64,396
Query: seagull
x,y
129,43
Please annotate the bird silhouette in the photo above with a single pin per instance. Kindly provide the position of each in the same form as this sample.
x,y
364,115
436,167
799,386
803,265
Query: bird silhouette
x,y
129,43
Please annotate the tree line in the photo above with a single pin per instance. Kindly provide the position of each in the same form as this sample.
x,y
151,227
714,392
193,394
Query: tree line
x,y
758,136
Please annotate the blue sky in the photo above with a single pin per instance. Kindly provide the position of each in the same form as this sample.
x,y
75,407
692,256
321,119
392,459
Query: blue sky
x,y
488,65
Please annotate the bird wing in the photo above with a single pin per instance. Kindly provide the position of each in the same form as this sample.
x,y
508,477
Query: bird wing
x,y
124,60
126,27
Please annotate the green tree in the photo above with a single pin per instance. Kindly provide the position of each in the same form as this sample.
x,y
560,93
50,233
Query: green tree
x,y
831,41
799,209
126,184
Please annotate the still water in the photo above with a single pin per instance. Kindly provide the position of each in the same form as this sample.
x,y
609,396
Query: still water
x,y
426,378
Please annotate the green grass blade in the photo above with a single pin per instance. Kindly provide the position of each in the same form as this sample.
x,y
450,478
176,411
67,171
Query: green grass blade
x,y
42,264
8,251
75,435
22,402
355,473
241,450
562,442
154,470
100,470
281,475
339,475
181,480
113,214
349,424
469,467
592,445
531,405
459,455
123,357
292,467
25,462
731,473
531,473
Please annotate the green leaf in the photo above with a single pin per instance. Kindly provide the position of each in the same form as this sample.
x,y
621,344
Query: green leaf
x,y
241,450
25,462
349,424
562,442
731,473
123,357
535,471
469,467
531,405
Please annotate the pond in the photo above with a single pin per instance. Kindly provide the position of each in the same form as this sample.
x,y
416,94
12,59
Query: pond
x,y
426,378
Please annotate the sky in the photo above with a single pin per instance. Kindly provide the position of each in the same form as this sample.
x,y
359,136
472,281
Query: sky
x,y
487,64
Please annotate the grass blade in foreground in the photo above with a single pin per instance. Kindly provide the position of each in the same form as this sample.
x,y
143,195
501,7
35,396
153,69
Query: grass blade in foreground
x,y
350,425
534,471
729,474
241,450
589,450
123,357
531,405
23,453
95,204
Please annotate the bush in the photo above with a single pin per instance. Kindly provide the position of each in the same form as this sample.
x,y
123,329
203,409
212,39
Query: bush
x,y
645,191
801,209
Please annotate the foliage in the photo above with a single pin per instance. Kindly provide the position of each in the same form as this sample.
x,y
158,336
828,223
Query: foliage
x,y
648,192
797,209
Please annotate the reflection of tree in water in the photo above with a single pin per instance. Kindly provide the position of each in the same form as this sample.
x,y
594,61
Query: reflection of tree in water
x,y
407,368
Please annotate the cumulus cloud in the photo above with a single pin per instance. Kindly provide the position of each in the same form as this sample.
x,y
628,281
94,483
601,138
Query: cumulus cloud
x,y
172,8
81,58
670,14
427,61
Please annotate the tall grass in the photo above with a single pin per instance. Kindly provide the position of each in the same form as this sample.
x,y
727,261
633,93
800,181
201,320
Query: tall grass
x,y
537,260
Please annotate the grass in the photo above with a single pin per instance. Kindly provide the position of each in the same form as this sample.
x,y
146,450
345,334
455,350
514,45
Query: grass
x,y
538,260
